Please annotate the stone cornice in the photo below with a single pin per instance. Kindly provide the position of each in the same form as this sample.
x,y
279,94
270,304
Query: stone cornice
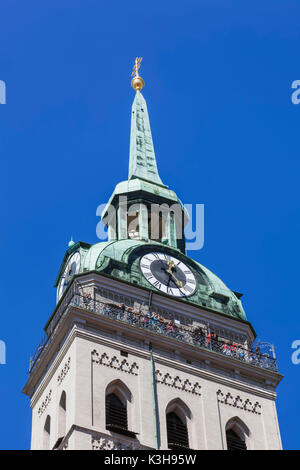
x,y
223,361
114,342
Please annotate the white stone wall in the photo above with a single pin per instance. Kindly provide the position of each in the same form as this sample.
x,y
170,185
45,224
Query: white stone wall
x,y
60,377
88,362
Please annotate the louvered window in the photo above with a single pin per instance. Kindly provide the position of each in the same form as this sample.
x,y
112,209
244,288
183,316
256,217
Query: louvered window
x,y
177,432
116,412
116,416
234,442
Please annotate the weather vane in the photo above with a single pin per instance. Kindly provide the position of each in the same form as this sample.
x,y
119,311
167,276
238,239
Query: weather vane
x,y
136,66
137,82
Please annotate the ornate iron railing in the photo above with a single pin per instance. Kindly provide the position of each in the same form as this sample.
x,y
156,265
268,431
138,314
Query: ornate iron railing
x,y
199,337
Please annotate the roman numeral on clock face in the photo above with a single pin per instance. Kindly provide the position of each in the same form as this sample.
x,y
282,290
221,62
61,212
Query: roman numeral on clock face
x,y
188,289
168,274
148,276
145,266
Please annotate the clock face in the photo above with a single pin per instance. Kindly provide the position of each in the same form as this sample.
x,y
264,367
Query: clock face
x,y
168,274
72,268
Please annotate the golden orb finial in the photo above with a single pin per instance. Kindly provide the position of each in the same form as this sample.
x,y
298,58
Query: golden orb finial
x,y
137,82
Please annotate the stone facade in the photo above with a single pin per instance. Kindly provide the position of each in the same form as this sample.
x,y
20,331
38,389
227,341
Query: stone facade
x,y
86,356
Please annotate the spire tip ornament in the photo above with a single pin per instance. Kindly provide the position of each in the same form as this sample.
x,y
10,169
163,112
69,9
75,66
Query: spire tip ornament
x,y
137,82
71,242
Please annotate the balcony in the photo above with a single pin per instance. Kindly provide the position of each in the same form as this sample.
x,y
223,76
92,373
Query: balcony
x,y
259,356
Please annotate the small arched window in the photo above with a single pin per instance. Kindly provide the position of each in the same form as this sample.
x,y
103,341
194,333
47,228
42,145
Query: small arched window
x,y
61,419
177,432
234,441
116,413
46,433
117,399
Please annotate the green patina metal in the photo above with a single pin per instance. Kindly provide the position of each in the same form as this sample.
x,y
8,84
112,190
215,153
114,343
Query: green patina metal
x,y
142,161
144,187
82,247
119,257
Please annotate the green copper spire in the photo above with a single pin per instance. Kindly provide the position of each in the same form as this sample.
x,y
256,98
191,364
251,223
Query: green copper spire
x,y
142,162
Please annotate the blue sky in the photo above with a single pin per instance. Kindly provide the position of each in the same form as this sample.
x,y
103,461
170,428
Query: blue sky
x,y
218,86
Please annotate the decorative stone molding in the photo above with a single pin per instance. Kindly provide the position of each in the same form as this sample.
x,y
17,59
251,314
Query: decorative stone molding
x,y
115,363
237,402
108,443
178,383
44,404
64,371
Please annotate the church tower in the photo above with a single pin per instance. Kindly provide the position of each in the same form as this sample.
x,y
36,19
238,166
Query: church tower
x,y
146,348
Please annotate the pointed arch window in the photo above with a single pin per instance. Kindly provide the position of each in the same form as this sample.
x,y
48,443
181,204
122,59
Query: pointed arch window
x,y
46,433
234,441
116,415
177,432
61,420
116,412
